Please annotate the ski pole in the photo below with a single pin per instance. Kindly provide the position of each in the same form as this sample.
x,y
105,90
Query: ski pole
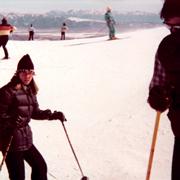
x,y
156,126
6,152
83,177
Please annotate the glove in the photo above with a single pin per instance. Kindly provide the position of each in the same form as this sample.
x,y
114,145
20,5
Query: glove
x,y
46,113
159,98
57,115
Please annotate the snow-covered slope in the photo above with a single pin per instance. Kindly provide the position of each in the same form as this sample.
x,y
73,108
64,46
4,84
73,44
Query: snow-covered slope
x,y
102,88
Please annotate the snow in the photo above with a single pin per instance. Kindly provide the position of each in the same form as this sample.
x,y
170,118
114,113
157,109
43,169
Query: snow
x,y
102,87
84,19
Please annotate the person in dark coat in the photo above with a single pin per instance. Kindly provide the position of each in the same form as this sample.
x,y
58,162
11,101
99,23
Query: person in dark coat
x,y
5,30
164,90
18,104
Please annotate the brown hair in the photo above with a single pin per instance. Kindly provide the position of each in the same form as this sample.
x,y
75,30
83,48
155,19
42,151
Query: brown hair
x,y
16,82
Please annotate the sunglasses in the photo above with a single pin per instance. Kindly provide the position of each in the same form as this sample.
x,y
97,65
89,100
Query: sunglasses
x,y
27,72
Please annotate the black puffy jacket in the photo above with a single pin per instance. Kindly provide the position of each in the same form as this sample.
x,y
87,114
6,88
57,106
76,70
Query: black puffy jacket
x,y
18,104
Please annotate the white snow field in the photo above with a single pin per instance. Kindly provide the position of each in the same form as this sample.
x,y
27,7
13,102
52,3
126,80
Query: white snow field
x,y
102,87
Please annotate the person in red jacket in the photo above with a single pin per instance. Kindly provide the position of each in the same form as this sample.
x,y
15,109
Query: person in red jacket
x,y
5,30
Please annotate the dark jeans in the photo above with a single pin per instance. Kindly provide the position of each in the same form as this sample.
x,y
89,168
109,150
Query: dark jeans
x,y
3,41
62,35
31,35
176,160
16,168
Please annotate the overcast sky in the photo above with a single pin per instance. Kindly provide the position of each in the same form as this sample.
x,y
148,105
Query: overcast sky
x,y
40,6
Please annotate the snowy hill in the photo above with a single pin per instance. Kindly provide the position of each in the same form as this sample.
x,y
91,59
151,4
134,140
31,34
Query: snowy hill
x,y
79,21
102,87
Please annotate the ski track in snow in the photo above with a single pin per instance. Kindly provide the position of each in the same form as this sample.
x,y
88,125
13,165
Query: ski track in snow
x,y
102,88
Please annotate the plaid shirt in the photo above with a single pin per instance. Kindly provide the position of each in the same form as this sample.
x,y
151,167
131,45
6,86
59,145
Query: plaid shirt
x,y
159,76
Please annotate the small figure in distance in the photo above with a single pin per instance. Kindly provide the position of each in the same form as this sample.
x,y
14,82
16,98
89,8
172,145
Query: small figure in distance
x,y
5,30
31,32
110,23
64,29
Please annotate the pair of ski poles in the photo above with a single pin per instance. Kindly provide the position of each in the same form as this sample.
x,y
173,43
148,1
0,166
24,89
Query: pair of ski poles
x,y
156,127
10,141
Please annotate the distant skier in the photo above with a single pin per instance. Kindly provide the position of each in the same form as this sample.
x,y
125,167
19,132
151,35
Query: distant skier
x,y
164,90
18,104
110,23
5,30
31,32
64,29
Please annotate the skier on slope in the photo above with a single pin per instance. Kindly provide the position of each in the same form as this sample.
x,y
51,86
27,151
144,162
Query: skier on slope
x,y
164,91
5,30
18,104
31,32
110,23
64,29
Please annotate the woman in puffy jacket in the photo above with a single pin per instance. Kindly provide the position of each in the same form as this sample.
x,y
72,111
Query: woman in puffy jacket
x,y
18,104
